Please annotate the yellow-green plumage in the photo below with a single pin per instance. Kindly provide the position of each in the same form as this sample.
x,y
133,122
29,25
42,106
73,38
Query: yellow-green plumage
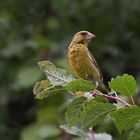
x,y
82,62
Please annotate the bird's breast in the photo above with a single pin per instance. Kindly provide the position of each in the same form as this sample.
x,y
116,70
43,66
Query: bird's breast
x,y
76,59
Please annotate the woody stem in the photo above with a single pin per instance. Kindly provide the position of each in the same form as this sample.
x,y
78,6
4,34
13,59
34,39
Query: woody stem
x,y
91,134
98,93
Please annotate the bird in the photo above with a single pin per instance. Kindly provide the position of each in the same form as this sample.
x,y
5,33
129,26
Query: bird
x,y
83,63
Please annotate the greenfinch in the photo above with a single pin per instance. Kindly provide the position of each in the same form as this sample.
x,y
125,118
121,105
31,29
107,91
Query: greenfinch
x,y
82,62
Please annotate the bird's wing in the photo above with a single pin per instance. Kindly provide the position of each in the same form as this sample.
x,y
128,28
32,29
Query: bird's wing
x,y
92,59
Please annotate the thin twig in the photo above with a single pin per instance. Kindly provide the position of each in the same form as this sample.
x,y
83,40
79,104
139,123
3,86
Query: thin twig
x,y
120,107
133,102
91,134
98,93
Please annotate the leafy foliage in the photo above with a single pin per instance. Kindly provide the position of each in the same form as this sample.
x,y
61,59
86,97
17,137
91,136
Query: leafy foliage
x,y
96,113
74,130
75,111
126,118
79,85
87,113
31,31
55,75
81,111
134,135
45,89
125,85
58,80
103,136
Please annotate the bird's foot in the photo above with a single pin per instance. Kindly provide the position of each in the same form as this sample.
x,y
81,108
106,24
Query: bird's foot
x,y
113,93
93,93
79,93
88,95
96,84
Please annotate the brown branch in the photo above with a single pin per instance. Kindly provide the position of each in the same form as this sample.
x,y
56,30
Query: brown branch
x,y
98,93
91,134
133,102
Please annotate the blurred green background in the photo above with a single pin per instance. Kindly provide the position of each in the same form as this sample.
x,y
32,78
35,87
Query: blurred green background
x,y
33,30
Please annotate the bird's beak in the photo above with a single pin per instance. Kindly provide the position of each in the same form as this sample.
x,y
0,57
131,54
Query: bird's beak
x,y
90,36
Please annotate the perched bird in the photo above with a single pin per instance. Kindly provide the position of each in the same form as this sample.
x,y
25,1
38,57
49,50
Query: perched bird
x,y
82,62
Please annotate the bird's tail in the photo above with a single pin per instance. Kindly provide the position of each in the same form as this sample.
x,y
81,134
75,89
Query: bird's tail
x,y
104,89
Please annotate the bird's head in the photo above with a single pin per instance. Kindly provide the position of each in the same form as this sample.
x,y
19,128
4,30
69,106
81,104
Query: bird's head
x,y
83,37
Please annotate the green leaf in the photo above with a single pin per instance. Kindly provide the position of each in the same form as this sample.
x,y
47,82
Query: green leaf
x,y
45,89
79,85
87,113
126,118
125,85
134,135
101,99
103,136
75,111
74,130
96,113
56,76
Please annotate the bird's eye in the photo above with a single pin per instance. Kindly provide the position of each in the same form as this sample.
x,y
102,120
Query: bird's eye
x,y
84,33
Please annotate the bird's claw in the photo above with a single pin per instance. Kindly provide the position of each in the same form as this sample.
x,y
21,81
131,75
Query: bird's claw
x,y
113,93
96,84
88,95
